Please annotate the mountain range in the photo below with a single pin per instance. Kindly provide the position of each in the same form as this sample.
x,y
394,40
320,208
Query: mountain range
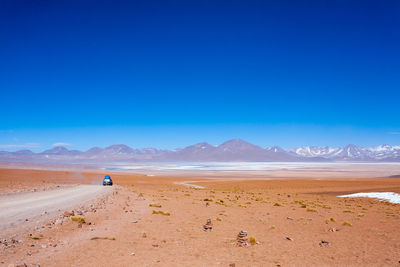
x,y
232,150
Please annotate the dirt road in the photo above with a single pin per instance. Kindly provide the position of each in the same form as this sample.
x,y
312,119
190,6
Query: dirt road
x,y
17,208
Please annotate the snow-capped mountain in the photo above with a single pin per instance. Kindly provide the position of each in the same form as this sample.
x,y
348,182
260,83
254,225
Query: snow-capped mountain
x,y
385,152
314,151
350,152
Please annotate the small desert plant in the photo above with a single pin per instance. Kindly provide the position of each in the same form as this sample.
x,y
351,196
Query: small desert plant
x,y
347,224
348,211
34,237
154,205
311,210
78,219
161,212
105,238
276,204
220,202
208,199
332,219
187,195
252,240
218,219
360,215
248,203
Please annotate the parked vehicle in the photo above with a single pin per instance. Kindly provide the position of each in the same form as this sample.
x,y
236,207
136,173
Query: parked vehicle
x,y
107,180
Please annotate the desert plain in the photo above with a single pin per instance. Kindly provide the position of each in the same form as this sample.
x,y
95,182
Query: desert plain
x,y
292,217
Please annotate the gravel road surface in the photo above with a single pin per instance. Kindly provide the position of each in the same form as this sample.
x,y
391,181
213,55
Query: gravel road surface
x,y
17,208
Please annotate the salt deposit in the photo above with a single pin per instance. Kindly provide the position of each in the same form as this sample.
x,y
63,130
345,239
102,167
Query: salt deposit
x,y
385,196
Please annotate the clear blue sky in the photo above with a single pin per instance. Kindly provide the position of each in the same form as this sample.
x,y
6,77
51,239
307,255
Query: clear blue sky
x,y
172,73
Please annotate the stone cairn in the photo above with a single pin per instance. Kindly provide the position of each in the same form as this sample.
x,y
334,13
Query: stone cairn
x,y
242,239
207,226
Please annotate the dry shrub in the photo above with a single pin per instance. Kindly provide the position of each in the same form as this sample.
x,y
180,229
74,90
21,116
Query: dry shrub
x,y
347,224
104,238
161,212
78,219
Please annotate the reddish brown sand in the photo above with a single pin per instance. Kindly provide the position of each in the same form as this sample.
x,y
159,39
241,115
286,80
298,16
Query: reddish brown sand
x,y
269,210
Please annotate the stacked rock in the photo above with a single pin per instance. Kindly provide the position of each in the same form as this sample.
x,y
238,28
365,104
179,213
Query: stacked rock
x,y
242,239
208,225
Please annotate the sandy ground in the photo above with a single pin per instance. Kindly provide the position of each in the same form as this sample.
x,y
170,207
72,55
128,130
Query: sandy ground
x,y
288,217
24,207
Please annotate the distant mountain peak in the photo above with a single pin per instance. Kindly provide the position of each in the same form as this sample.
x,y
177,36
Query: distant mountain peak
x,y
231,150
56,150
275,149
237,143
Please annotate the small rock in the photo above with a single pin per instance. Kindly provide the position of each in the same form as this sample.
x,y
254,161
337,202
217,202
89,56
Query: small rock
x,y
324,243
207,226
134,221
289,238
232,264
132,254
68,213
289,218
44,246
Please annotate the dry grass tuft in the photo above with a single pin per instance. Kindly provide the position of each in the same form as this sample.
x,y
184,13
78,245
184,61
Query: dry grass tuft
x,y
252,240
347,224
78,219
34,237
104,238
161,212
154,205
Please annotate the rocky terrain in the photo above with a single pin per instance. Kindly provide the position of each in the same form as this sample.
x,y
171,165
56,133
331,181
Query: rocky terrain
x,y
162,221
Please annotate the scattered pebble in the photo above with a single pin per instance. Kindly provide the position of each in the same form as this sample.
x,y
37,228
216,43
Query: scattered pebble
x,y
289,238
324,243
